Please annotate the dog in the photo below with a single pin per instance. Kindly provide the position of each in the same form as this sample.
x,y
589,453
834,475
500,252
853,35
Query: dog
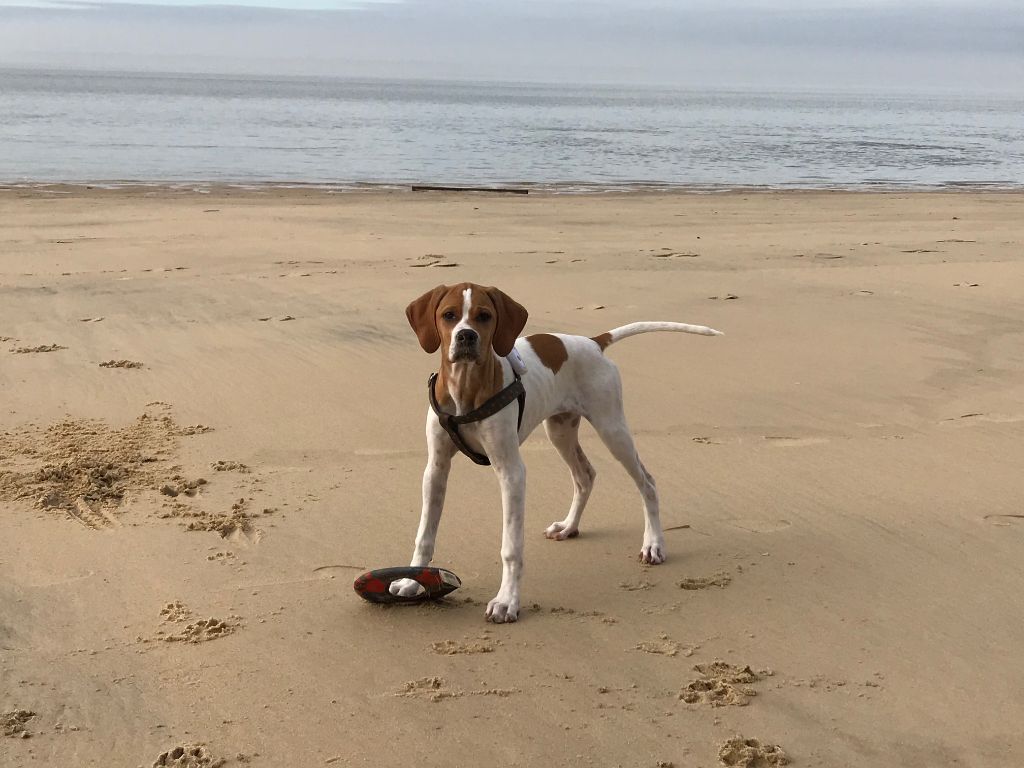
x,y
567,378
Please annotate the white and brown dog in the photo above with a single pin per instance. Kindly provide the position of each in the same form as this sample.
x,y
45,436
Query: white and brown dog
x,y
566,378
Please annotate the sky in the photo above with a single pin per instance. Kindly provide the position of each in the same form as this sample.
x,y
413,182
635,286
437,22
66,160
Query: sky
x,y
955,45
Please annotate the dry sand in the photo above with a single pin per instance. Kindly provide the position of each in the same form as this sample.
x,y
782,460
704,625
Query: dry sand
x,y
842,473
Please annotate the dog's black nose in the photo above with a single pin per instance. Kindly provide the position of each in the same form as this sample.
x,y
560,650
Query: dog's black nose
x,y
466,336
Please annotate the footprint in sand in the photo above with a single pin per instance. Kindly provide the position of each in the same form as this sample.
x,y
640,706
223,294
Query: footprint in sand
x,y
751,753
204,630
641,585
180,485
193,429
175,611
722,685
244,536
560,610
482,644
188,756
200,631
436,689
229,466
36,350
15,723
235,526
89,514
720,579
665,646
432,688
121,364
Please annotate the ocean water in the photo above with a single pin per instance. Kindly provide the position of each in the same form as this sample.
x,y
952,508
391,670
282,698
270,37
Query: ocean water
x,y
59,126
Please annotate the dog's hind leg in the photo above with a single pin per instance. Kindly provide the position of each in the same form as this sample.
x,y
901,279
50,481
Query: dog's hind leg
x,y
563,432
615,434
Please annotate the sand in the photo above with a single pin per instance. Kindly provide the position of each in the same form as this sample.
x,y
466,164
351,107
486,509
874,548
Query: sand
x,y
211,420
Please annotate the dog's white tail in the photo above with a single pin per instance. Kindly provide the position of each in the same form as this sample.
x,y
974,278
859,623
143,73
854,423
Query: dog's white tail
x,y
624,332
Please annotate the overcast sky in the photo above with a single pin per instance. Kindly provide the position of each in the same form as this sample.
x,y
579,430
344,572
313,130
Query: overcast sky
x,y
964,45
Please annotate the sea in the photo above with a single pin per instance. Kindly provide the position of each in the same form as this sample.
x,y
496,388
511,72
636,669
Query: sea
x,y
117,127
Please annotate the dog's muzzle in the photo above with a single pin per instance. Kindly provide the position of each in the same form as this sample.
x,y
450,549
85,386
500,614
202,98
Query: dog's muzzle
x,y
466,346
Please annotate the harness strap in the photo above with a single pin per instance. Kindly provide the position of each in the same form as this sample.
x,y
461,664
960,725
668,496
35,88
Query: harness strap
x,y
451,423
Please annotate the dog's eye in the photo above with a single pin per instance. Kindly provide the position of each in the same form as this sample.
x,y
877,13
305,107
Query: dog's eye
x,y
449,316
484,317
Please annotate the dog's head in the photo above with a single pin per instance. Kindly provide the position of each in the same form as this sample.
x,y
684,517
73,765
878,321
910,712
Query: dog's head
x,y
466,319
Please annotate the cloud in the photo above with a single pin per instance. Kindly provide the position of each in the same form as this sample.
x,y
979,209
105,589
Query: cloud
x,y
117,7
871,43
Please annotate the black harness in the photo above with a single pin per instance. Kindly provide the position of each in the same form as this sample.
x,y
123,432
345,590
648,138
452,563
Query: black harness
x,y
451,423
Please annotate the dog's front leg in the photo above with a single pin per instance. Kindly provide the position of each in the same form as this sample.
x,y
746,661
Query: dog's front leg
x,y
512,477
435,485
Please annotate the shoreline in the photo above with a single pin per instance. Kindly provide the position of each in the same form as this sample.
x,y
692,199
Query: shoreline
x,y
582,189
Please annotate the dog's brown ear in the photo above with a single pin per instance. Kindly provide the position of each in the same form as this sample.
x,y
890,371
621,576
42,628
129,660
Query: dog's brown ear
x,y
510,321
422,317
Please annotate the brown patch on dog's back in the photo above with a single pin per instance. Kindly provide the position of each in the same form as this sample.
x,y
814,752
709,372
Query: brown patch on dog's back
x,y
603,340
549,349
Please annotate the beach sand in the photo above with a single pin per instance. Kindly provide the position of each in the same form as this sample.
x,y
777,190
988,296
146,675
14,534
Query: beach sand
x,y
840,475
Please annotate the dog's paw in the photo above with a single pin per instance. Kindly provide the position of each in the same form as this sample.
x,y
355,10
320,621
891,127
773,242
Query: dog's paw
x,y
502,611
561,531
653,553
405,588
